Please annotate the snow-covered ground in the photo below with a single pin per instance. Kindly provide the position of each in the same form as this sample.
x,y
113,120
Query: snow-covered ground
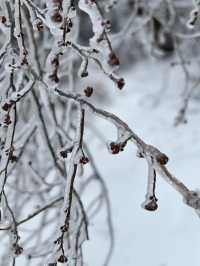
x,y
171,235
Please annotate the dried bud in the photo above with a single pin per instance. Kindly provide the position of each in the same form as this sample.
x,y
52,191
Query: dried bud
x,y
7,120
17,249
64,228
120,83
13,158
6,106
106,24
84,160
3,19
63,154
115,148
151,204
162,158
62,259
88,91
56,17
139,154
113,60
84,74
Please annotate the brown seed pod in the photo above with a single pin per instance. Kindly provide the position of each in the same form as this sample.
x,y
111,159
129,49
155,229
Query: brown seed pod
x,y
151,205
88,91
3,19
115,148
18,249
120,83
56,17
162,158
113,60
7,120
62,259
84,160
6,106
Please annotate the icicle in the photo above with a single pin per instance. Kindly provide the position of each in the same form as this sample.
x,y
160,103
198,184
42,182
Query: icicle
x,y
150,203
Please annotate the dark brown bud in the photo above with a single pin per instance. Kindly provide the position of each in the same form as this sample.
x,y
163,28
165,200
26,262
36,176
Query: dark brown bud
x,y
106,24
120,83
13,158
84,160
151,205
88,91
56,17
62,259
113,60
24,60
6,106
64,228
115,148
63,154
7,120
3,19
84,74
162,158
18,249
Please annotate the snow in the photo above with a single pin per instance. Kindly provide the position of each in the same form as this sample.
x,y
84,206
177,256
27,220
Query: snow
x,y
170,236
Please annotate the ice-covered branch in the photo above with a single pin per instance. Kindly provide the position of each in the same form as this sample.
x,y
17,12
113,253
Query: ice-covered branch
x,y
159,159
